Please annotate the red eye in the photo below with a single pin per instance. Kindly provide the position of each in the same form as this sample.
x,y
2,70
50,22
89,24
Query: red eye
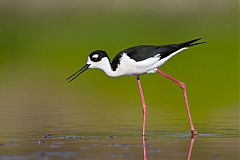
x,y
94,59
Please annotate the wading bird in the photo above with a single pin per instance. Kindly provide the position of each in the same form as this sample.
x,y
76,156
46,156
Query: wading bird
x,y
136,61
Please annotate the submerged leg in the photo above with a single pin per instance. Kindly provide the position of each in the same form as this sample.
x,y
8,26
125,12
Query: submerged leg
x,y
194,137
144,107
182,85
144,148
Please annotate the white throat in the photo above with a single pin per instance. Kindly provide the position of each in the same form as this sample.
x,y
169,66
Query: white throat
x,y
104,65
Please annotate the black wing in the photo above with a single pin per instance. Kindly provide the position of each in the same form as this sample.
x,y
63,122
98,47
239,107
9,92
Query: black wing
x,y
142,52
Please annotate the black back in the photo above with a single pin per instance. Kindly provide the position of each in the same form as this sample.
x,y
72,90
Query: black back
x,y
142,52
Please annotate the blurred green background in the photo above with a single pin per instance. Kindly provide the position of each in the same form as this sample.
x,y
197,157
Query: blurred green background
x,y
43,42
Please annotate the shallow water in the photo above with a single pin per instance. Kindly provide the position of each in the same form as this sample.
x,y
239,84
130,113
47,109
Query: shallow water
x,y
121,147
37,123
46,133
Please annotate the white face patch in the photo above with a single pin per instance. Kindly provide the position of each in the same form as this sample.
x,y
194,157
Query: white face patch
x,y
95,56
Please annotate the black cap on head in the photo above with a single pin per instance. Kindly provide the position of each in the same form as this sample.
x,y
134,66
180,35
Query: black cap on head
x,y
97,55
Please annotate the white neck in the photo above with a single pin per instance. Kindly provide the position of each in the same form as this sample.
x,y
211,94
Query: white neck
x,y
105,65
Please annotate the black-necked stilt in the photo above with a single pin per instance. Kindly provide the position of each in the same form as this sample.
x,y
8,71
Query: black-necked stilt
x,y
136,61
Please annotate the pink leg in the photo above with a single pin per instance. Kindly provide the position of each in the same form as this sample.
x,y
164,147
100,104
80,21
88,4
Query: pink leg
x,y
144,107
191,146
182,85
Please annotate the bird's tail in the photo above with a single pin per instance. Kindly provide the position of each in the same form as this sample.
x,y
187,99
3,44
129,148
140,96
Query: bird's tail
x,y
191,43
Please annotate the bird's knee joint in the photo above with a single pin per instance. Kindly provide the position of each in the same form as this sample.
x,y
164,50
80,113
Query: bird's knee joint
x,y
183,86
144,111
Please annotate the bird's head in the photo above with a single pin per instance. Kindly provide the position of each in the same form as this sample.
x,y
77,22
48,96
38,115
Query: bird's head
x,y
96,59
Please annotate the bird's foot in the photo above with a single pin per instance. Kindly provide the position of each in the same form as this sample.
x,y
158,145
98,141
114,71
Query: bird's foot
x,y
194,132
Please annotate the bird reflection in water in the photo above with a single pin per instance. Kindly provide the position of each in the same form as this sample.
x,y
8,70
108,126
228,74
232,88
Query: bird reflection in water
x,y
194,137
144,148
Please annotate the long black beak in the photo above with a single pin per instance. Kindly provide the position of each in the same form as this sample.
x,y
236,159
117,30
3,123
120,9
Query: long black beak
x,y
76,74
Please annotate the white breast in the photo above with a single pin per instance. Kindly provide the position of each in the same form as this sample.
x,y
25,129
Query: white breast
x,y
129,66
